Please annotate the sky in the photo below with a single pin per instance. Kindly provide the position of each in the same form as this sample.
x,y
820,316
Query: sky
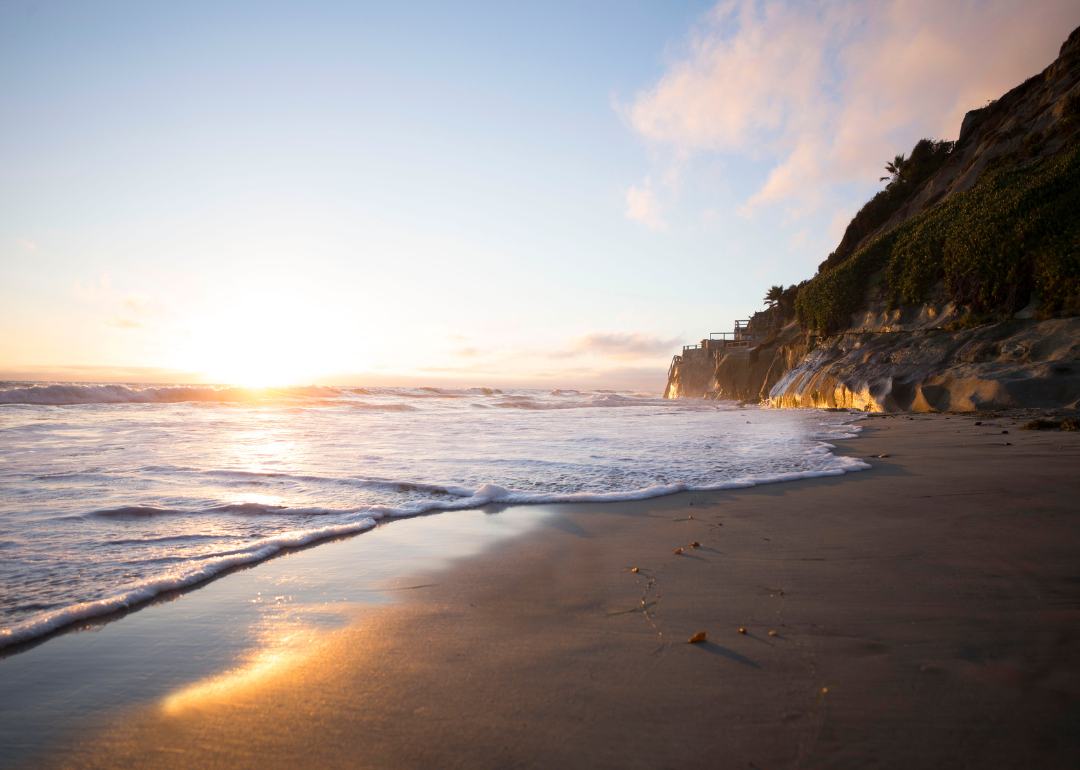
x,y
497,194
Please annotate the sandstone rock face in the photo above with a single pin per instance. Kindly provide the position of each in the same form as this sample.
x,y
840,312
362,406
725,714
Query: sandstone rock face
x,y
1006,365
1017,363
692,379
740,374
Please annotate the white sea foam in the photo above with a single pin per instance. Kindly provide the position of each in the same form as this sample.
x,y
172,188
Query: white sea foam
x,y
146,590
106,508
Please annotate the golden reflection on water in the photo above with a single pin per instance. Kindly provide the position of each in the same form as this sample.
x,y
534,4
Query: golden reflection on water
x,y
266,444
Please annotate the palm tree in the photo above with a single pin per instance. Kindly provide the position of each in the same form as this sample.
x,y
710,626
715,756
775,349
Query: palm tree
x,y
894,168
774,295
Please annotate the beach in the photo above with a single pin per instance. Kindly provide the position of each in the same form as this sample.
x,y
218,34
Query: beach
x,y
921,612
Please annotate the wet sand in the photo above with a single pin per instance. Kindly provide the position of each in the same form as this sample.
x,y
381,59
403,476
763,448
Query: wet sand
x,y
926,613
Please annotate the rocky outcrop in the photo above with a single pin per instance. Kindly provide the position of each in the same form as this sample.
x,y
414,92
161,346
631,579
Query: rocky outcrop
x,y
692,378
740,373
1016,363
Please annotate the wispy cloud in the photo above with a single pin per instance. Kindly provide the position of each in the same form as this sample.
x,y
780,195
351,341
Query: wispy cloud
x,y
621,345
825,91
121,310
28,245
120,322
643,207
136,301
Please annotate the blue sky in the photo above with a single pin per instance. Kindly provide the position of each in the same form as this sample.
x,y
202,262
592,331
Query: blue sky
x,y
486,194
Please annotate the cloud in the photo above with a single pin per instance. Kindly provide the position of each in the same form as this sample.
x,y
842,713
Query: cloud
x,y
620,345
136,301
123,323
824,92
118,308
146,374
642,206
28,245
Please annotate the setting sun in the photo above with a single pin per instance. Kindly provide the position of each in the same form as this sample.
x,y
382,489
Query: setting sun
x,y
265,339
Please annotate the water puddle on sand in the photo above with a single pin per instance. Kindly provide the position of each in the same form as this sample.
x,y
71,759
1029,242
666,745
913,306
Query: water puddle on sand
x,y
231,633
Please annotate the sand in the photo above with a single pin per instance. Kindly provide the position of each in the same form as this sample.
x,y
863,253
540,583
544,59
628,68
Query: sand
x,y
922,613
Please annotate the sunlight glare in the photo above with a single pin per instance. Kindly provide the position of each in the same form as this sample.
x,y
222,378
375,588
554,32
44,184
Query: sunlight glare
x,y
267,339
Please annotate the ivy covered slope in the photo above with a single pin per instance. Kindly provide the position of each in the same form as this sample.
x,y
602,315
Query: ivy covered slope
x,y
1014,235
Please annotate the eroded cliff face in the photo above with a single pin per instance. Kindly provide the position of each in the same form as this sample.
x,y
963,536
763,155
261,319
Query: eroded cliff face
x,y
693,378
1018,363
1015,363
740,374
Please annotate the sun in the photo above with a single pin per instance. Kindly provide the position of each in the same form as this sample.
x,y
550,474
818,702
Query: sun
x,y
270,338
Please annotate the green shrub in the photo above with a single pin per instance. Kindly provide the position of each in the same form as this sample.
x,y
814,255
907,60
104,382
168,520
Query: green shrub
x,y
827,302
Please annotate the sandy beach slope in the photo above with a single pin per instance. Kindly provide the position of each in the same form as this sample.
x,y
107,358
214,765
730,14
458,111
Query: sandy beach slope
x,y
925,613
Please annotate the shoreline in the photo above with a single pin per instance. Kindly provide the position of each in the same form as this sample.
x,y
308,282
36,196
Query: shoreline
x,y
154,590
917,613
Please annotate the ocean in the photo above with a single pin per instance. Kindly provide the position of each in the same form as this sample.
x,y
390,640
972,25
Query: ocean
x,y
112,494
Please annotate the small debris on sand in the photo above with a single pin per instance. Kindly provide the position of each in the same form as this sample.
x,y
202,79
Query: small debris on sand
x,y
695,544
635,569
773,633
742,630
700,636
678,550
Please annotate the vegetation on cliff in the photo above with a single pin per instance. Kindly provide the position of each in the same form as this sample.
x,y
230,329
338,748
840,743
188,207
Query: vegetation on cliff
x,y
1015,233
907,175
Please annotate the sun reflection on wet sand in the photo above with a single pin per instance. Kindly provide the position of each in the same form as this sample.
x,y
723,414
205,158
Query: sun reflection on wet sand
x,y
282,646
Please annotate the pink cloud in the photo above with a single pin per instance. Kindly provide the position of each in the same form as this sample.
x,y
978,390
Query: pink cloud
x,y
828,91
622,345
642,206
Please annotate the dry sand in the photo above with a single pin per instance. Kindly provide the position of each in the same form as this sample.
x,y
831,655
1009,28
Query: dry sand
x,y
925,615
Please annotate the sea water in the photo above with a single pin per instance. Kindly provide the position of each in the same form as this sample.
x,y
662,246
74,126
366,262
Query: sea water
x,y
112,494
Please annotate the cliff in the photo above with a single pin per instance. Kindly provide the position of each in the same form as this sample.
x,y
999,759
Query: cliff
x,y
955,288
